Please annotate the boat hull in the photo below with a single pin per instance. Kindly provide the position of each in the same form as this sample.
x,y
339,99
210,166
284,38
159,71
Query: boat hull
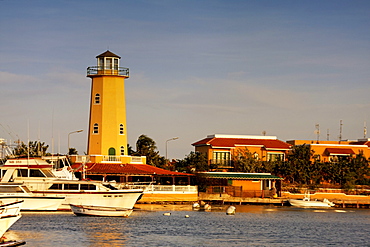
x,y
6,222
81,210
114,198
308,204
35,203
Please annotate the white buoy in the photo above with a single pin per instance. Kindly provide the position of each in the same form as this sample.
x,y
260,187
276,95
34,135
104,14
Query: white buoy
x,y
230,210
167,214
187,216
207,207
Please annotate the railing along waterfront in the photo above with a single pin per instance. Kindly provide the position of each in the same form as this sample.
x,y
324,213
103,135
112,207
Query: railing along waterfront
x,y
99,70
237,191
165,188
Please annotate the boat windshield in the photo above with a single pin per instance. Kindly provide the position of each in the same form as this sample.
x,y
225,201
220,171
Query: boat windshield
x,y
10,189
110,187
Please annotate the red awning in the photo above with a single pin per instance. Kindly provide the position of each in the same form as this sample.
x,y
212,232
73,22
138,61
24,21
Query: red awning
x,y
339,151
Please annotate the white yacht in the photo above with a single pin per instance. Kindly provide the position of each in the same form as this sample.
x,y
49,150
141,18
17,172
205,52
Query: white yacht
x,y
10,192
38,176
9,214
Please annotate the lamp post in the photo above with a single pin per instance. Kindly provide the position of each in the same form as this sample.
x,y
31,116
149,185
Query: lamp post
x,y
77,131
175,138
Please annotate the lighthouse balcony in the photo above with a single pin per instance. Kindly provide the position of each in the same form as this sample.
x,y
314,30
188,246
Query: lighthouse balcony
x,y
100,70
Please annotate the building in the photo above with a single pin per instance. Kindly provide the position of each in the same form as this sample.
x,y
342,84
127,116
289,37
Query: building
x,y
239,184
331,151
220,149
107,156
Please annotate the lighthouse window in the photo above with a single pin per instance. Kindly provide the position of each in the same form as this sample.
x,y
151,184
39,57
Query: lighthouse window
x,y
96,129
97,99
122,150
109,63
115,63
121,129
100,63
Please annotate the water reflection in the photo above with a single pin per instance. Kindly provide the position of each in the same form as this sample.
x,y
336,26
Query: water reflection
x,y
254,225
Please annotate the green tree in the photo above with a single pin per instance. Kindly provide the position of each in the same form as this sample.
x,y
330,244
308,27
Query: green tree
x,y
299,165
193,162
145,146
33,149
72,151
245,161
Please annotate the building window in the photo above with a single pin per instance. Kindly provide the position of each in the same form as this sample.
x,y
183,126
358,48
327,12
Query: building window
x,y
96,128
221,158
122,150
97,99
275,157
121,129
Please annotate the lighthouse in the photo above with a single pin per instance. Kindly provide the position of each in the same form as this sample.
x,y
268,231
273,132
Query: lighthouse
x,y
107,124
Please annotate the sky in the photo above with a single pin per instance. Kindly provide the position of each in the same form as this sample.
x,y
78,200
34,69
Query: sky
x,y
196,68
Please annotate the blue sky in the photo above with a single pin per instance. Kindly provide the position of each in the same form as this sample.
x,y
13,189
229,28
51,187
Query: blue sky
x,y
196,68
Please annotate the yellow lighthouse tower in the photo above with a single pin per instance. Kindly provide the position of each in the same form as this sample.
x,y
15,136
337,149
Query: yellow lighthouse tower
x,y
107,125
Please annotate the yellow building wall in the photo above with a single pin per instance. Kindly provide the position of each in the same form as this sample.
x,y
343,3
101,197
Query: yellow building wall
x,y
248,184
109,114
319,147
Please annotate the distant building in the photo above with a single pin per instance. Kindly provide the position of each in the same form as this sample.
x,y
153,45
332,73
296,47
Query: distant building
x,y
331,151
221,148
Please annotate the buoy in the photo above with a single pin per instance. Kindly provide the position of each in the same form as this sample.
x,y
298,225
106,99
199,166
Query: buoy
x,y
187,216
196,205
207,207
230,210
167,214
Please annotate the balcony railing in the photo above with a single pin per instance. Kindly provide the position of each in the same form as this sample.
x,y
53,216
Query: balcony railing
x,y
99,70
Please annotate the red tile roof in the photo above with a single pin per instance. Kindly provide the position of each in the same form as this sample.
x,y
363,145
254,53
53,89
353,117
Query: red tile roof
x,y
131,169
232,142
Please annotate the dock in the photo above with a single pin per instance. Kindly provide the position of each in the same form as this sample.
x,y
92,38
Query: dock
x,y
341,200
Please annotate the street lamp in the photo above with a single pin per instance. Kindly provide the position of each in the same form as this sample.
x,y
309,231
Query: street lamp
x,y
175,138
77,131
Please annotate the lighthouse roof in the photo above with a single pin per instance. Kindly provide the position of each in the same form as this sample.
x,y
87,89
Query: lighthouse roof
x,y
108,53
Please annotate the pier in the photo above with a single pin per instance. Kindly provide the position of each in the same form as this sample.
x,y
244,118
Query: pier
x,y
341,200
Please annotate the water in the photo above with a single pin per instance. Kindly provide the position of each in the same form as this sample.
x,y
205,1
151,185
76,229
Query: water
x,y
251,226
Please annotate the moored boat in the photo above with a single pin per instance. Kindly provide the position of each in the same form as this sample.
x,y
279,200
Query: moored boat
x,y
10,192
9,214
306,202
38,176
85,210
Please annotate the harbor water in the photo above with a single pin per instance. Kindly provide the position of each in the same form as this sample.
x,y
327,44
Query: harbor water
x,y
180,226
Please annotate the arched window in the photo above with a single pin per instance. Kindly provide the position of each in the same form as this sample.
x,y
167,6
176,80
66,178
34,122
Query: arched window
x,y
96,128
97,99
121,129
122,150
111,151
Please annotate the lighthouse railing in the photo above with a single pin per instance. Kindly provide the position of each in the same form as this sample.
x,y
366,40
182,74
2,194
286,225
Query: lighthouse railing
x,y
100,70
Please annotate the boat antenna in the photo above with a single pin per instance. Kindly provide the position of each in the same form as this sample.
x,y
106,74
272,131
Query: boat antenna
x,y
340,131
365,130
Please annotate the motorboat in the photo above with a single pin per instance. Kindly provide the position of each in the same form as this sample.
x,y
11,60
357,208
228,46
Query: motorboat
x,y
85,210
306,202
38,176
9,214
10,192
